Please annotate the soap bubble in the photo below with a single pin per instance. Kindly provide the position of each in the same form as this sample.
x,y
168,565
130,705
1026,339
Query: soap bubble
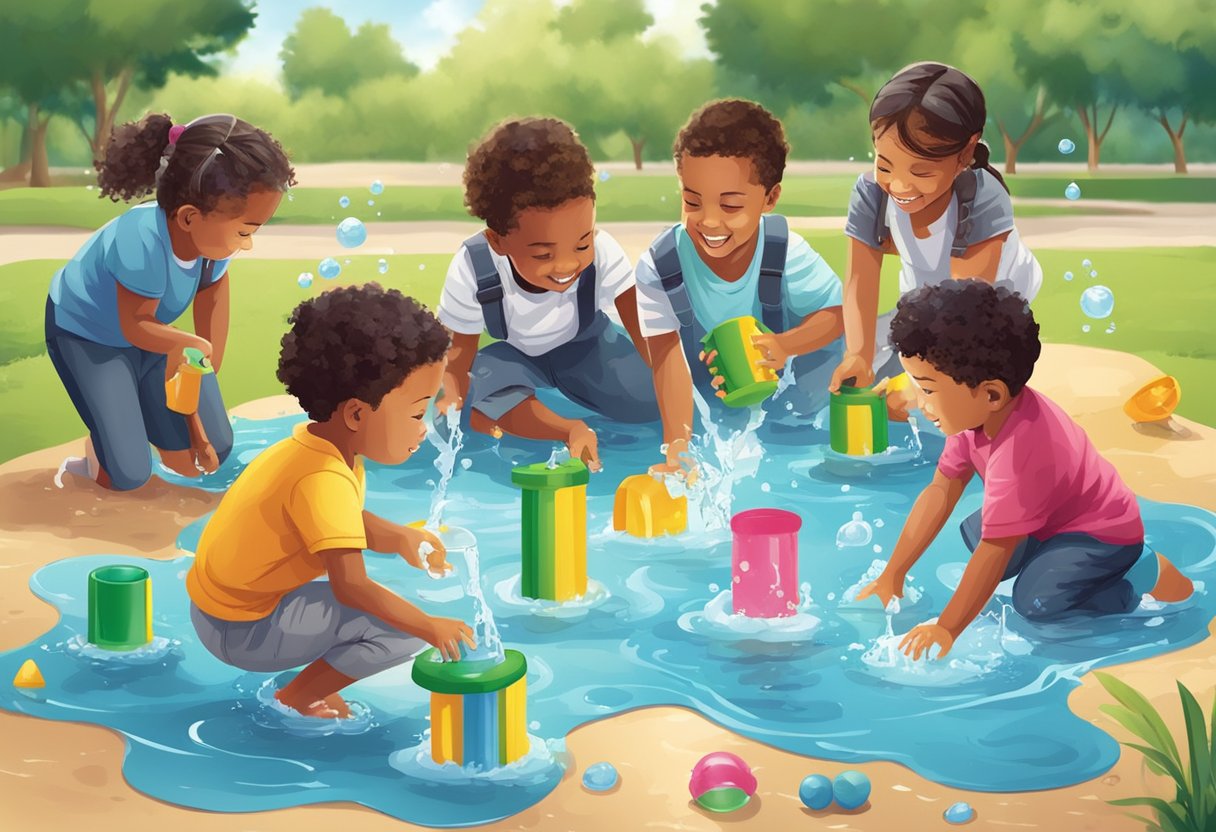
x,y
376,187
344,201
605,176
877,549
329,268
382,266
1085,328
352,232
305,279
1087,263
371,202
1097,302
856,532
1068,275
1093,273
1073,191
1066,146
765,487
850,158
422,267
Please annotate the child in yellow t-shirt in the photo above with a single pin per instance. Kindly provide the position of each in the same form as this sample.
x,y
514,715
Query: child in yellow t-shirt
x,y
364,363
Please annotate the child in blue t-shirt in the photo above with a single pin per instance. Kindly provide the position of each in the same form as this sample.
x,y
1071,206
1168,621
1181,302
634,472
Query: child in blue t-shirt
x,y
217,181
725,260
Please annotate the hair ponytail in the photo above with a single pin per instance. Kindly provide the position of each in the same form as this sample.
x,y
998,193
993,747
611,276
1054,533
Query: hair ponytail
x,y
132,157
982,154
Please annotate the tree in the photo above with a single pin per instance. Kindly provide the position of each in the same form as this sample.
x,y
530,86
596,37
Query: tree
x,y
321,53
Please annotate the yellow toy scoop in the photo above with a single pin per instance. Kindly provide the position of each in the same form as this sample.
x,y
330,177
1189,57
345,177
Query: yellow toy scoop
x,y
1154,401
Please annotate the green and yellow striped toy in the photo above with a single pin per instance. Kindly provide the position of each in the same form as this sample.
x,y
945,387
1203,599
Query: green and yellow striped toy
x,y
858,418
553,529
479,713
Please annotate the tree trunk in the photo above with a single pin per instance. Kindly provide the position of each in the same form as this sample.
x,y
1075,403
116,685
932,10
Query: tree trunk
x,y
1014,146
40,171
1093,137
104,113
20,172
1011,152
856,89
637,152
1176,141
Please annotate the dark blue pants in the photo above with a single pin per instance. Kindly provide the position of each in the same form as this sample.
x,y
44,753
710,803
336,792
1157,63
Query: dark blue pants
x,y
1066,574
120,395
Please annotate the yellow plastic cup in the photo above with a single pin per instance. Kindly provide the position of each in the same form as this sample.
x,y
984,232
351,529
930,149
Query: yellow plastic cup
x,y
1154,401
181,391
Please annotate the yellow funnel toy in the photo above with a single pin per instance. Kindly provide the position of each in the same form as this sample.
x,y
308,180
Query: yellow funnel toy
x,y
1154,401
644,508
29,676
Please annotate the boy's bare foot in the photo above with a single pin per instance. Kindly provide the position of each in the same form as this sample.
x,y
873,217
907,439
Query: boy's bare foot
x,y
1172,586
331,707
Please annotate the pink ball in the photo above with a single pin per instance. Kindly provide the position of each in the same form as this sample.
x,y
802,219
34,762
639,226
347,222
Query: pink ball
x,y
718,770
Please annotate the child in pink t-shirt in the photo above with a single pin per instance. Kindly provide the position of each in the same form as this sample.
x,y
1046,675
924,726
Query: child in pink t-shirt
x,y
1056,515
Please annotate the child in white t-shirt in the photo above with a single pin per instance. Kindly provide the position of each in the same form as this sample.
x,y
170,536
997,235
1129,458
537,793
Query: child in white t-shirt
x,y
541,280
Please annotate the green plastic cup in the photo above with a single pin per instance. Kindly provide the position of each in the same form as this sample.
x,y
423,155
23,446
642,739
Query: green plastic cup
x,y
744,381
120,607
858,421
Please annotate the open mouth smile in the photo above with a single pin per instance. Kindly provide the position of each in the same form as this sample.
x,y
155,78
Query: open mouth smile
x,y
907,201
562,281
714,242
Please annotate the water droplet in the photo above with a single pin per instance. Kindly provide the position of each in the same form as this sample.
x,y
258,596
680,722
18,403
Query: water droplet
x,y
422,267
351,232
793,483
466,463
600,777
765,487
870,153
744,566
714,588
831,596
1085,328
605,176
879,523
1110,328
376,187
377,213
850,158
1093,274
1073,191
1087,263
856,532
382,266
305,279
371,202
1098,302
1066,146
534,725
789,405
291,197
844,489
877,549
329,268
344,201
1068,275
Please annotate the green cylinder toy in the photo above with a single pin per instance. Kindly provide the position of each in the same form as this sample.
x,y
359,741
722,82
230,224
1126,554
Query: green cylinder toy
x,y
479,713
120,607
744,381
859,422
554,529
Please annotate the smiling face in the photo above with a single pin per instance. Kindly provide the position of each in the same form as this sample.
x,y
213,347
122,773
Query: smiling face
x,y
550,247
391,433
722,203
228,229
916,182
951,405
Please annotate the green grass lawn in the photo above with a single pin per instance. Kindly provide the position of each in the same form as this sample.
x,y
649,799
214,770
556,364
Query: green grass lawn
x,y
620,199
1167,326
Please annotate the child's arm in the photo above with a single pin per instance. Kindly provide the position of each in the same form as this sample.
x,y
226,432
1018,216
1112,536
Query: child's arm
x,y
860,315
211,315
627,307
394,539
984,571
929,513
137,319
673,389
817,329
456,375
979,261
205,456
532,420
351,585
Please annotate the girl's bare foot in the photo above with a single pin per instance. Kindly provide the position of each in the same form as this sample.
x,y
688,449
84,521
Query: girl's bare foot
x,y
1172,586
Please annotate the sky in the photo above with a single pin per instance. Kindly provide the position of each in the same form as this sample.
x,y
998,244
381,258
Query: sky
x,y
426,29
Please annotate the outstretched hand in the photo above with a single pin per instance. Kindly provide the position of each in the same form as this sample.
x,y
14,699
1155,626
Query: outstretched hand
x,y
920,640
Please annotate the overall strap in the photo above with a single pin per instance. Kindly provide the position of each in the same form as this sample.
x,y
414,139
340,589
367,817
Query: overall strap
x,y
882,232
586,298
489,286
667,265
772,268
207,271
964,188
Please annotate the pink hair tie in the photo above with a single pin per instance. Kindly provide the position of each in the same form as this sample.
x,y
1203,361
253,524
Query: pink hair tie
x,y
175,132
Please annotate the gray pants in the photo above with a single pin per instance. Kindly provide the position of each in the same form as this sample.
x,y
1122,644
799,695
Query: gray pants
x,y
1068,573
308,624
886,357
600,370
120,396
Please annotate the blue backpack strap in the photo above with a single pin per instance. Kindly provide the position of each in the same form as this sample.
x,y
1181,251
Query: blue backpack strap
x,y
586,298
667,266
772,269
489,286
207,271
964,188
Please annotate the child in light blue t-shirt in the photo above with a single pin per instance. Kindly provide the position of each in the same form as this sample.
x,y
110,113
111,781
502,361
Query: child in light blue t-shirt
x,y
730,257
110,308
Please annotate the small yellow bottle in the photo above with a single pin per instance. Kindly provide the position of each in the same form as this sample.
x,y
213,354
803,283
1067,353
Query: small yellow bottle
x,y
181,391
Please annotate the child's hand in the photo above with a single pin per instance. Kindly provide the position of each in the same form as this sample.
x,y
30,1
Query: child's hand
x,y
899,401
773,350
920,639
855,367
584,445
433,560
177,357
885,588
206,458
715,380
446,634
679,463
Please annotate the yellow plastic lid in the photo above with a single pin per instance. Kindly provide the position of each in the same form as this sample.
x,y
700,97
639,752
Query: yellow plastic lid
x,y
1155,400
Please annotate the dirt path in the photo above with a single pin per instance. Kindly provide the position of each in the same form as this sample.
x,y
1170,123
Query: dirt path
x,y
59,776
1138,225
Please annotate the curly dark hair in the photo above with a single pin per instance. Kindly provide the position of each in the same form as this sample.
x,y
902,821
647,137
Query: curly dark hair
x,y
970,330
356,342
525,163
736,128
215,157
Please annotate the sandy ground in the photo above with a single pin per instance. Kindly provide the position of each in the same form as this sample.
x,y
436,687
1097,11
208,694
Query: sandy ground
x,y
1137,224
59,776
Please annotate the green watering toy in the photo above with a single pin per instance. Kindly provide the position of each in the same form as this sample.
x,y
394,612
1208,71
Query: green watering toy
x,y
554,529
744,380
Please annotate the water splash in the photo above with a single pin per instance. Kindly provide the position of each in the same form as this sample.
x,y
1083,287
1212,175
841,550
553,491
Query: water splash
x,y
856,532
485,631
445,462
912,594
723,457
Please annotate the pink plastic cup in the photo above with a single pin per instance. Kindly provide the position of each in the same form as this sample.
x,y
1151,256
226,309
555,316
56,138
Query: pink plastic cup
x,y
764,562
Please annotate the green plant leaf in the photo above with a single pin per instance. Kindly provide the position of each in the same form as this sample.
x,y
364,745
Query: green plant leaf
x,y
1135,702
1197,742
1169,815
1212,741
1164,765
1149,825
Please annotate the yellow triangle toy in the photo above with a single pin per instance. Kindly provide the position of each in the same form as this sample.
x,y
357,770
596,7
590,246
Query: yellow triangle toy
x,y
29,676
